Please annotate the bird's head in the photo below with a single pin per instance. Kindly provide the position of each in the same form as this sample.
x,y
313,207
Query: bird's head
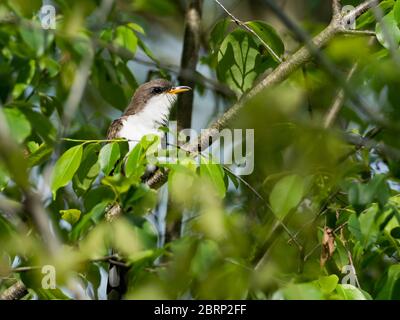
x,y
156,94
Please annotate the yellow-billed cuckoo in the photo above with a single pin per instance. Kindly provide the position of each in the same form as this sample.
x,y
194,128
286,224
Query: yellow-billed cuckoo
x,y
148,110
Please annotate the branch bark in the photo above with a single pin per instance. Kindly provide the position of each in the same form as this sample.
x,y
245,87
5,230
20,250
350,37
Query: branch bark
x,y
15,292
282,72
189,60
336,8
338,102
190,57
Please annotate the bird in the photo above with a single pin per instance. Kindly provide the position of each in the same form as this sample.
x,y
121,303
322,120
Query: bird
x,y
148,110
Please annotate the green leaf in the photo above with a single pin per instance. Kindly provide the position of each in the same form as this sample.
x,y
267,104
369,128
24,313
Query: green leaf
x,y
34,38
328,284
354,227
91,198
41,125
349,292
40,155
119,183
24,78
364,228
239,61
65,168
269,35
391,287
147,51
206,254
88,170
112,93
215,174
126,38
20,127
88,220
360,195
108,157
396,12
135,27
286,195
134,163
390,29
217,34
51,66
302,291
71,215
369,17
51,294
48,104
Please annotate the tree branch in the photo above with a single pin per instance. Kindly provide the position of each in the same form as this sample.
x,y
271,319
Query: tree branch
x,y
338,102
15,292
189,60
279,74
336,8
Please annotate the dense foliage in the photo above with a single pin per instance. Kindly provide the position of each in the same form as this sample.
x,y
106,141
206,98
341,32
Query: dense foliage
x,y
319,218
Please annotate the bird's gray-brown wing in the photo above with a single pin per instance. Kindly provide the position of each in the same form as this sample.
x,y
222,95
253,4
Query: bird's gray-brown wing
x,y
114,129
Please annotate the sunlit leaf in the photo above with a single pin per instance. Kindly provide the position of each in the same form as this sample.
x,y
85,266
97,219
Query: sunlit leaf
x,y
349,292
328,284
133,164
126,38
65,168
303,291
239,61
71,215
108,156
88,170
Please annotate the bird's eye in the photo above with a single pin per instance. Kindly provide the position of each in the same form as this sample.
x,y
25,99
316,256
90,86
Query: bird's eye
x,y
157,90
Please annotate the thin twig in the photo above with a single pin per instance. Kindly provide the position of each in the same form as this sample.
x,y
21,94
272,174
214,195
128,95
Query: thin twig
x,y
247,28
338,102
359,32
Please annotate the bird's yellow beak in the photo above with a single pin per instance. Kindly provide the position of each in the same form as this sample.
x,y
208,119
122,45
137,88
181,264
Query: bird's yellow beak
x,y
180,89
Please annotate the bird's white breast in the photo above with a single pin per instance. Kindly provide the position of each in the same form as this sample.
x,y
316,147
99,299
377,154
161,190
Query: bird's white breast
x,y
148,120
